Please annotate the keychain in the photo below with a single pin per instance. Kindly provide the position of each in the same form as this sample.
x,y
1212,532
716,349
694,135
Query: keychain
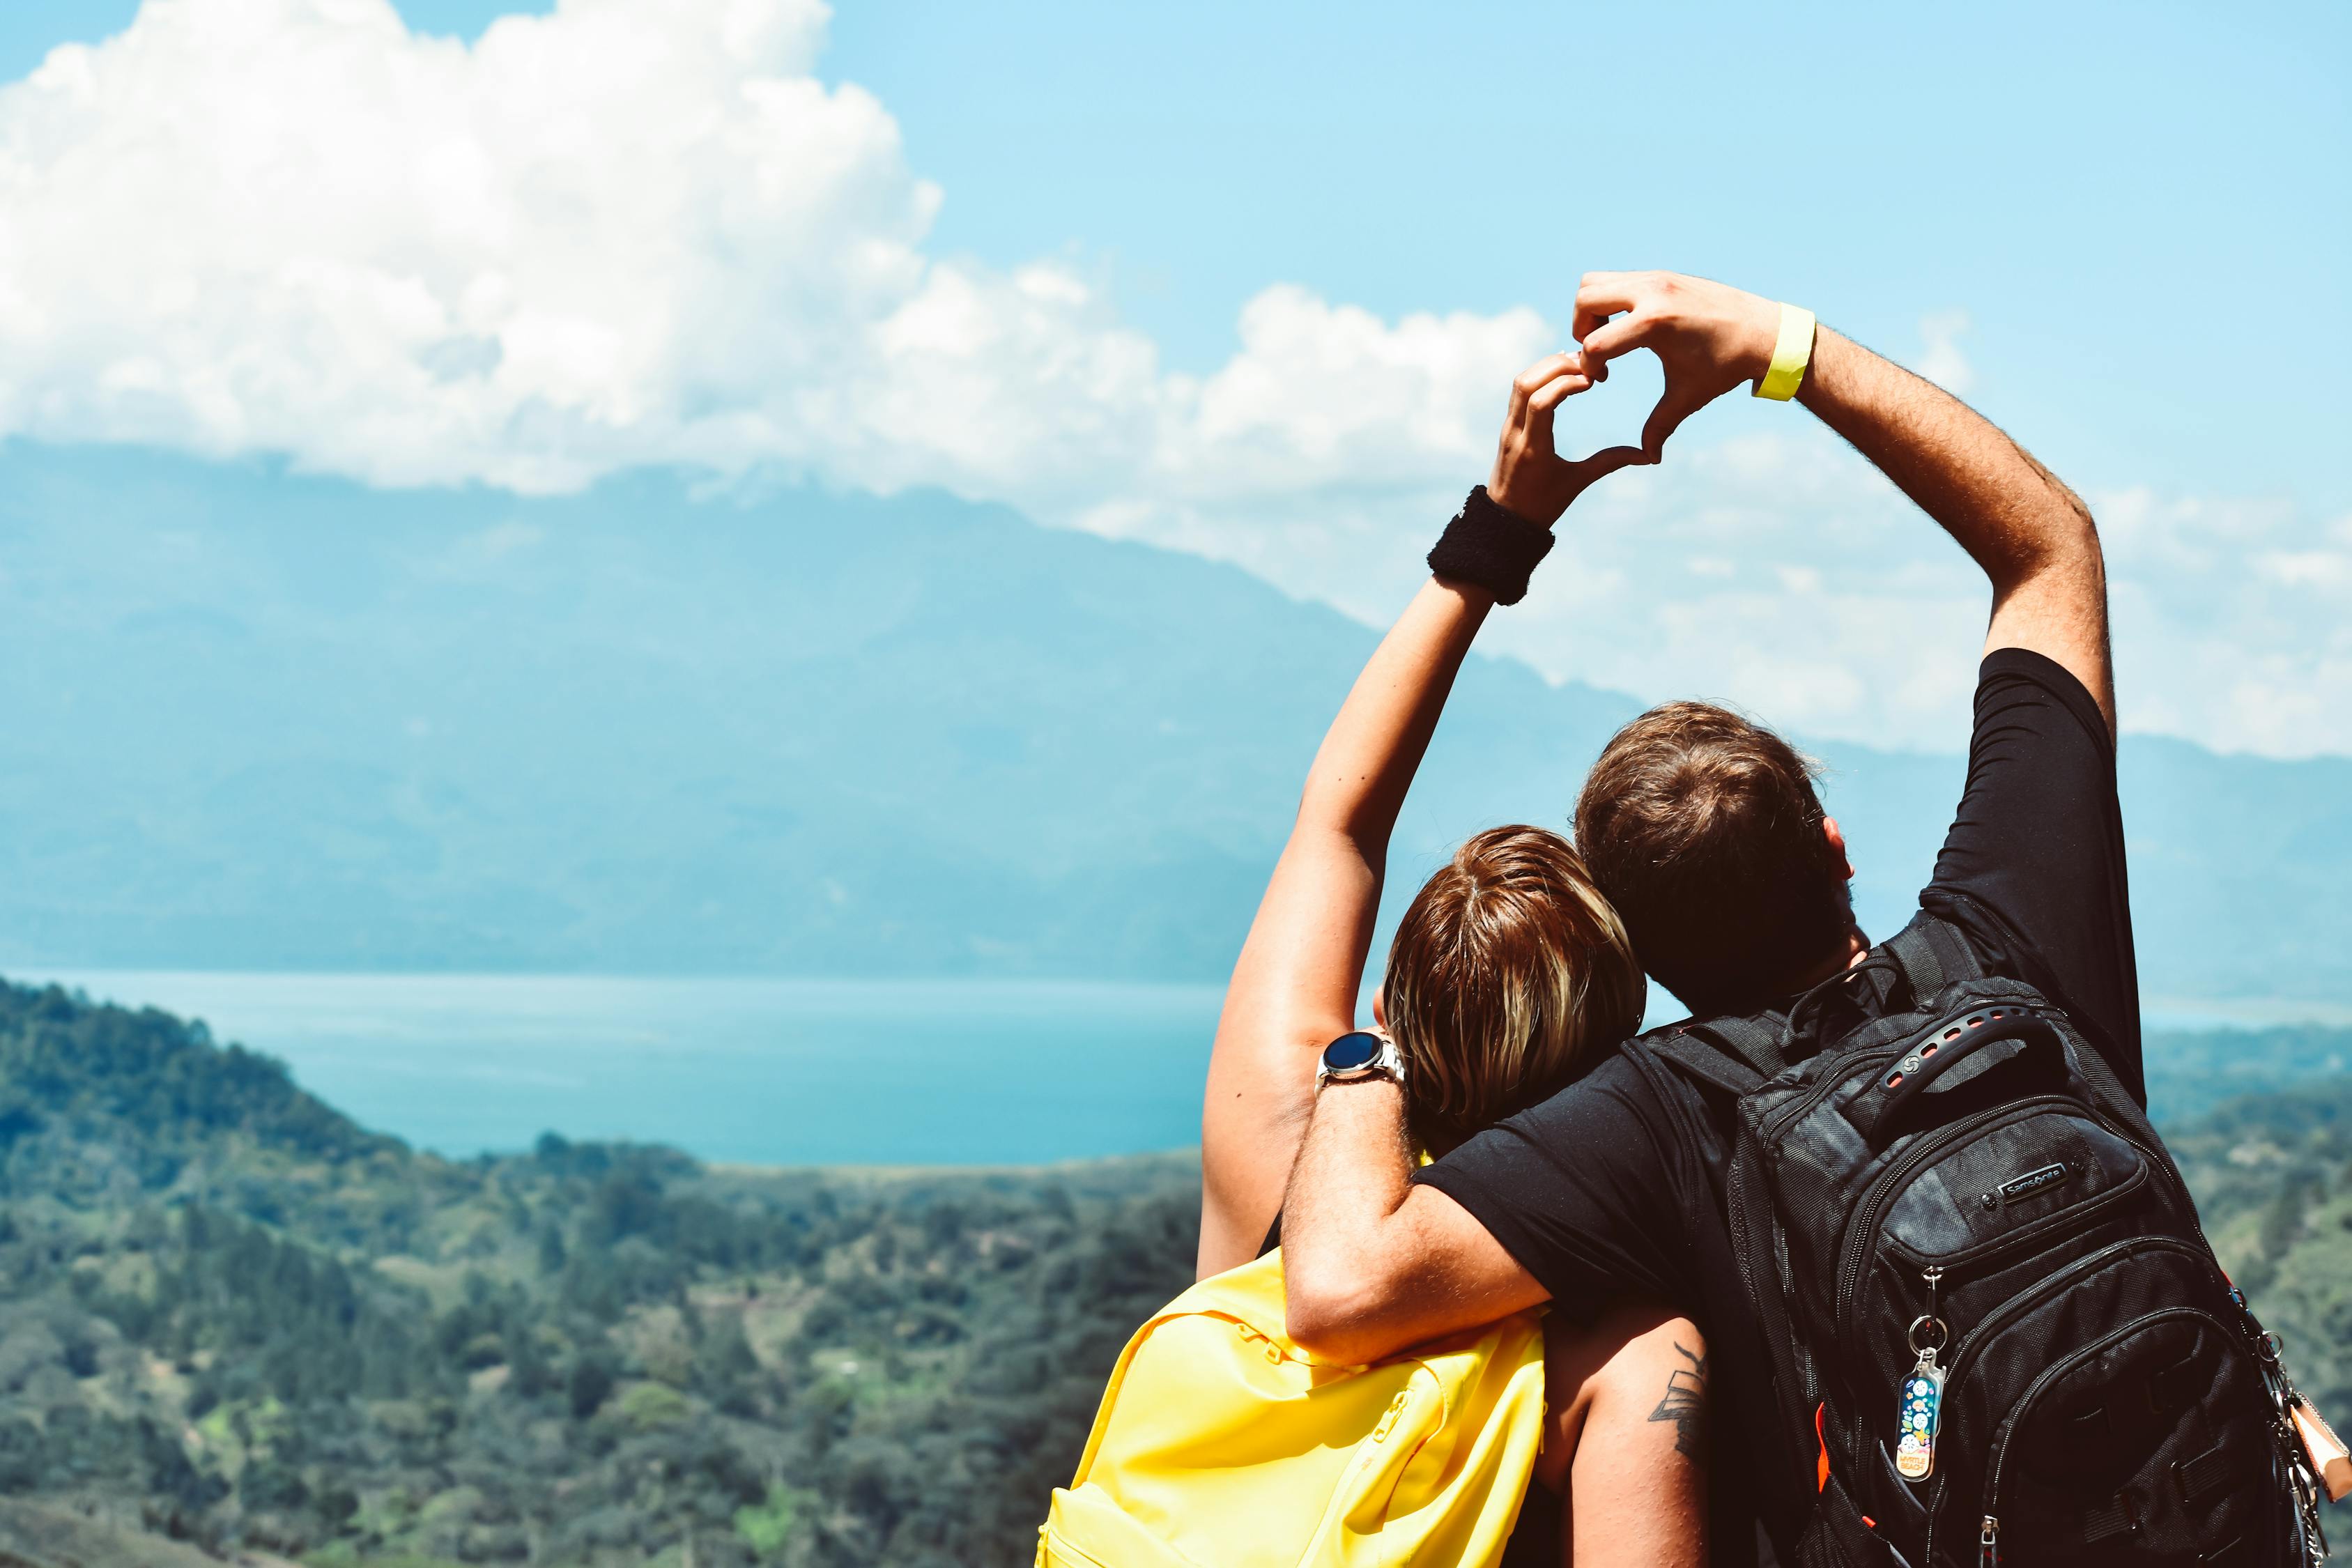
x,y
1920,1409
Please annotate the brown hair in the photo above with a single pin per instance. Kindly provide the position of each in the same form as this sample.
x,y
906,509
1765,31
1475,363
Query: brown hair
x,y
1704,830
1507,965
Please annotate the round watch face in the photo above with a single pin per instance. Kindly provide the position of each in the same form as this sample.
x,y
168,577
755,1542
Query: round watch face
x,y
1351,1051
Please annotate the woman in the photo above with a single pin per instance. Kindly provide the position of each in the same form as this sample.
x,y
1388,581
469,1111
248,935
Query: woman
x,y
1507,972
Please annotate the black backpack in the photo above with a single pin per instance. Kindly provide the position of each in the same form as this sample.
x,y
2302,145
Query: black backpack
x,y
1997,1334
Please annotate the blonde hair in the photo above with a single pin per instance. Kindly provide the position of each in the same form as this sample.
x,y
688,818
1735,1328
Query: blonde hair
x,y
1509,968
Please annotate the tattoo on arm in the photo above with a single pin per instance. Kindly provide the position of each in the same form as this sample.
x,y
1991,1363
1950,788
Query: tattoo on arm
x,y
1684,1405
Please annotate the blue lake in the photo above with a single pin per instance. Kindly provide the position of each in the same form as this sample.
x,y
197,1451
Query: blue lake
x,y
756,1071
766,1071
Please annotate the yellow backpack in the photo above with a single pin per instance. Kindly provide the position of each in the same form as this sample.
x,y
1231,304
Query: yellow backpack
x,y
1222,1445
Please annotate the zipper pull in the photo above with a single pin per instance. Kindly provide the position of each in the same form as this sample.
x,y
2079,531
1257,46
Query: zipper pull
x,y
1988,1544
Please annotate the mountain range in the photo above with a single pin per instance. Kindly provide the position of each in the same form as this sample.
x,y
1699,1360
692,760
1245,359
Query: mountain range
x,y
262,720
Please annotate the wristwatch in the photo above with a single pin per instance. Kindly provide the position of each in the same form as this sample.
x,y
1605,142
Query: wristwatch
x,y
1359,1054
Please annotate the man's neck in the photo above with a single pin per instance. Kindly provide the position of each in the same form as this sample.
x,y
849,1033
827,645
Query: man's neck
x,y
1853,951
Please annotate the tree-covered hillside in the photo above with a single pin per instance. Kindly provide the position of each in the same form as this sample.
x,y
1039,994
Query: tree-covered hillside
x,y
2272,1176
231,1319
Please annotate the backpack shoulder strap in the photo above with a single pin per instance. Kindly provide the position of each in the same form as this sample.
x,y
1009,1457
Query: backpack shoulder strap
x,y
1933,955
1736,1060
1753,1042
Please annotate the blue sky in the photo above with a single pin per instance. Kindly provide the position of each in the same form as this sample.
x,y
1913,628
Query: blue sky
x,y
1156,271
2105,190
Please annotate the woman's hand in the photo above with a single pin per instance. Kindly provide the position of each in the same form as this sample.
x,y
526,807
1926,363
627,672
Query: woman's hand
x,y
1531,478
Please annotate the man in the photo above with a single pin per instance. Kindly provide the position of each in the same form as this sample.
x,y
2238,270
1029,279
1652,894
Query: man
x,y
1705,832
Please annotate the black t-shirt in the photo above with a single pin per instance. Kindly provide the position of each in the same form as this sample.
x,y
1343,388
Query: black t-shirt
x,y
1613,1188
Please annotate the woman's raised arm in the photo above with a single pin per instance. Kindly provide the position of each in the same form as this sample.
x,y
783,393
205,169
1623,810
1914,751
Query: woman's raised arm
x,y
1294,987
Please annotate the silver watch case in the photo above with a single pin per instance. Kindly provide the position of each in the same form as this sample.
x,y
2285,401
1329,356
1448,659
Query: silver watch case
x,y
1387,1063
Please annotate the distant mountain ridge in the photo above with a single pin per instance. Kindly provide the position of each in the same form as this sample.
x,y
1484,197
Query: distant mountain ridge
x,y
257,721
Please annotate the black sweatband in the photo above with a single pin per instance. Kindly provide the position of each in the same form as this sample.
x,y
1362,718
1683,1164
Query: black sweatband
x,y
1488,547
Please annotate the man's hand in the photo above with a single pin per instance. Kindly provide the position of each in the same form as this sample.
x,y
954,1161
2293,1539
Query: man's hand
x,y
2033,536
1709,336
1530,477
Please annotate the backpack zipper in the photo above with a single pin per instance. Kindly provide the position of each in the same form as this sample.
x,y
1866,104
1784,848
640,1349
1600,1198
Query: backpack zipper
x,y
2064,1277
1989,1540
1974,1339
1855,1259
1864,1229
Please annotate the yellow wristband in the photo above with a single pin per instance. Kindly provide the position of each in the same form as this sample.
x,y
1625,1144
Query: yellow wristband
x,y
1790,356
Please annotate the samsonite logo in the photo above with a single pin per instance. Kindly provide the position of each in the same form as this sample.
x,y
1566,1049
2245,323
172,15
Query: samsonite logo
x,y
2027,1185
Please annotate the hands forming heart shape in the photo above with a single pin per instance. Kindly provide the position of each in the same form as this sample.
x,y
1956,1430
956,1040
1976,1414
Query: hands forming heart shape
x,y
1708,337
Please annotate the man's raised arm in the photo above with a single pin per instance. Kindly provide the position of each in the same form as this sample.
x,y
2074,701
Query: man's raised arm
x,y
2033,536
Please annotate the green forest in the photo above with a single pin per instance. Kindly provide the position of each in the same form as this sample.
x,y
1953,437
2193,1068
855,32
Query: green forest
x,y
235,1323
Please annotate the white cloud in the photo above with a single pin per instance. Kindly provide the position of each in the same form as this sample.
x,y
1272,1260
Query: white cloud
x,y
645,232
629,231
2231,619
1775,571
1779,572
287,225
1331,397
625,233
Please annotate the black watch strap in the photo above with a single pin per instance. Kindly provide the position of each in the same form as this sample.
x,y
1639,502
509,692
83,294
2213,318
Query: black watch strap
x,y
1487,546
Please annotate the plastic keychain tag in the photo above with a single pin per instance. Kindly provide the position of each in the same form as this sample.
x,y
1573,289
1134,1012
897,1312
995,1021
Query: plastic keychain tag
x,y
1922,1411
1921,1408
